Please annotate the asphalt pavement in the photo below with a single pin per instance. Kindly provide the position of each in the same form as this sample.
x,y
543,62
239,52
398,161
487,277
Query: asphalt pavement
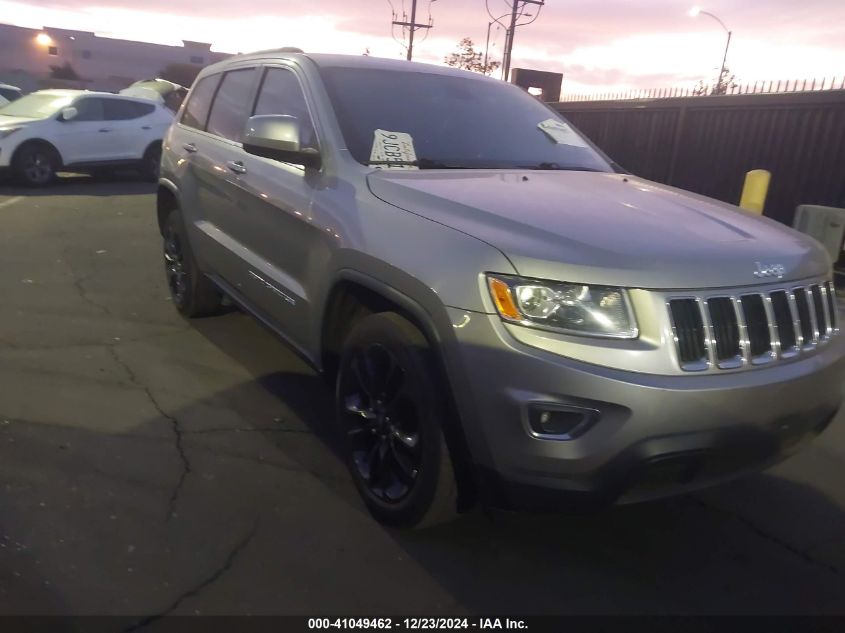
x,y
150,465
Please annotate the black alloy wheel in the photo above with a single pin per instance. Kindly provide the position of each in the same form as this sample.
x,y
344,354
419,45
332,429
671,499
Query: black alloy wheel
x,y
193,294
174,266
382,424
390,416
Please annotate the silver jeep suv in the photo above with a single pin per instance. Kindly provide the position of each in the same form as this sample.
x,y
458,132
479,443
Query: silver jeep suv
x,y
505,315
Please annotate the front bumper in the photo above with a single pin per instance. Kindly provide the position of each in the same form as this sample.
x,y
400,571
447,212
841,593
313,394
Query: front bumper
x,y
655,435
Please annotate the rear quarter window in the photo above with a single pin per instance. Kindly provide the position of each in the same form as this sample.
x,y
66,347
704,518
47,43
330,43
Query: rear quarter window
x,y
124,110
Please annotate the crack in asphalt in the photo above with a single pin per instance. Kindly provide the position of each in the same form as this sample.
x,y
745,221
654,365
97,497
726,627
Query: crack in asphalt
x,y
99,344
248,430
198,588
174,422
756,529
78,283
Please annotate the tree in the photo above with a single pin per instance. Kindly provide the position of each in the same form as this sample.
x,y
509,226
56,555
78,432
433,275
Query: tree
x,y
182,74
467,58
726,82
65,71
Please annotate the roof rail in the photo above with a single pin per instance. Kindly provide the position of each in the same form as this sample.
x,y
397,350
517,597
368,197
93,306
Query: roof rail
x,y
284,49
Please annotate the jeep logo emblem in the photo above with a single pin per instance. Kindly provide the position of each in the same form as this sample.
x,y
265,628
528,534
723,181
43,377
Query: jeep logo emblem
x,y
770,270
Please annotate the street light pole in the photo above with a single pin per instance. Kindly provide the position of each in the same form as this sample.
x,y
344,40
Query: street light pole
x,y
695,12
489,24
487,45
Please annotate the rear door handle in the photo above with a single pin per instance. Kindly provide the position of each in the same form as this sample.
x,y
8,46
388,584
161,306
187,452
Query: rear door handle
x,y
103,130
236,166
146,127
190,147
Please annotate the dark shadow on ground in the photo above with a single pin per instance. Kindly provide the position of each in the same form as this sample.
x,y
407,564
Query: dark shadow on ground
x,y
692,554
67,184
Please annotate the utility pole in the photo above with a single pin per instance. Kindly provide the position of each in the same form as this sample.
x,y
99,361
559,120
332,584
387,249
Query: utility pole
x,y
516,11
412,27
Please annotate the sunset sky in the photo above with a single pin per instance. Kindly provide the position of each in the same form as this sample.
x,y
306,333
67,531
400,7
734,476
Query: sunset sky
x,y
599,45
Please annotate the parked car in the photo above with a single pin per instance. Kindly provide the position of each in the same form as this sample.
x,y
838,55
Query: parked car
x,y
82,131
9,93
505,316
167,92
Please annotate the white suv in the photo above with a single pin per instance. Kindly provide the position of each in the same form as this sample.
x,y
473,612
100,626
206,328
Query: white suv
x,y
80,131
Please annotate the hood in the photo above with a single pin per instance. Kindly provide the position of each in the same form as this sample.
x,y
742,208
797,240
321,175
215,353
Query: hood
x,y
17,121
603,228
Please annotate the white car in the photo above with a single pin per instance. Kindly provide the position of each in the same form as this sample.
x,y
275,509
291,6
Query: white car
x,y
80,131
8,93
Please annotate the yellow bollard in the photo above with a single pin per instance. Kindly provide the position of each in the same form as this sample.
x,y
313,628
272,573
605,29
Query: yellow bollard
x,y
754,190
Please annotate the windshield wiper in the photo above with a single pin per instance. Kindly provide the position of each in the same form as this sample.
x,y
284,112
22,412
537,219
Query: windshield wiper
x,y
558,167
422,163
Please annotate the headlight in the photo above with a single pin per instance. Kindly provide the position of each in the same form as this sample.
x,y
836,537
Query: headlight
x,y
564,307
7,131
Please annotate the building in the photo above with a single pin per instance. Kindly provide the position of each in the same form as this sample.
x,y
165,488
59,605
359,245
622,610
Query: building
x,y
102,63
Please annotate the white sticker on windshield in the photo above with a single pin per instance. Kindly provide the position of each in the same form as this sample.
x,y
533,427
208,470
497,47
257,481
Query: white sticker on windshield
x,y
561,133
393,147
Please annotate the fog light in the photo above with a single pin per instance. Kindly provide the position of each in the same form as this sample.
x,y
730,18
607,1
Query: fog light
x,y
560,423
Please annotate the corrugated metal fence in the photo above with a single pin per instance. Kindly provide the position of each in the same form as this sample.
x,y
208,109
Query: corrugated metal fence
x,y
707,144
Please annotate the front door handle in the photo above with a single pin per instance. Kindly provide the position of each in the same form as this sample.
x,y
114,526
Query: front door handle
x,y
190,148
103,130
236,166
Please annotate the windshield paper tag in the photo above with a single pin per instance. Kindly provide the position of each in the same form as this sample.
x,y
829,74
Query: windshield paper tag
x,y
561,133
395,147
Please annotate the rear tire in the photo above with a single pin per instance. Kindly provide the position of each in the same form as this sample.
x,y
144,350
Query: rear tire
x,y
35,165
151,165
193,294
390,412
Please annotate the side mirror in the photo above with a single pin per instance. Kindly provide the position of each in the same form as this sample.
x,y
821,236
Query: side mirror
x,y
69,114
278,136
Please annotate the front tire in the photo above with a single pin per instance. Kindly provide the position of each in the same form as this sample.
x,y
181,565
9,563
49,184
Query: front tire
x,y
35,165
390,413
192,293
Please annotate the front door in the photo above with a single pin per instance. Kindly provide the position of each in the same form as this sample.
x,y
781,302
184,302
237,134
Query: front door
x,y
87,138
277,224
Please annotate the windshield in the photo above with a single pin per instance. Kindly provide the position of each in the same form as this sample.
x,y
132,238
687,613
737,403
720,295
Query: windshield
x,y
454,122
36,106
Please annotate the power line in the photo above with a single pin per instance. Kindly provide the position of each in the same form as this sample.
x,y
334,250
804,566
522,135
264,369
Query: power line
x,y
411,26
517,11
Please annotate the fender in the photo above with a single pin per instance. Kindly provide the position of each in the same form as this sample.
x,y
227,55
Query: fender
x,y
439,331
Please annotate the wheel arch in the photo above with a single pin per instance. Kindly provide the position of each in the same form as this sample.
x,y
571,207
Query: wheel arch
x,y
152,145
355,295
38,141
167,200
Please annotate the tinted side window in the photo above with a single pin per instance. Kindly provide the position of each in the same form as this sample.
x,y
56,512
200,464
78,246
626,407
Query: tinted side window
x,y
9,94
196,111
231,105
281,94
90,109
122,110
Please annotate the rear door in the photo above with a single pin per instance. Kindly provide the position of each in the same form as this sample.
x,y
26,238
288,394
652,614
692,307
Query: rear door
x,y
132,127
